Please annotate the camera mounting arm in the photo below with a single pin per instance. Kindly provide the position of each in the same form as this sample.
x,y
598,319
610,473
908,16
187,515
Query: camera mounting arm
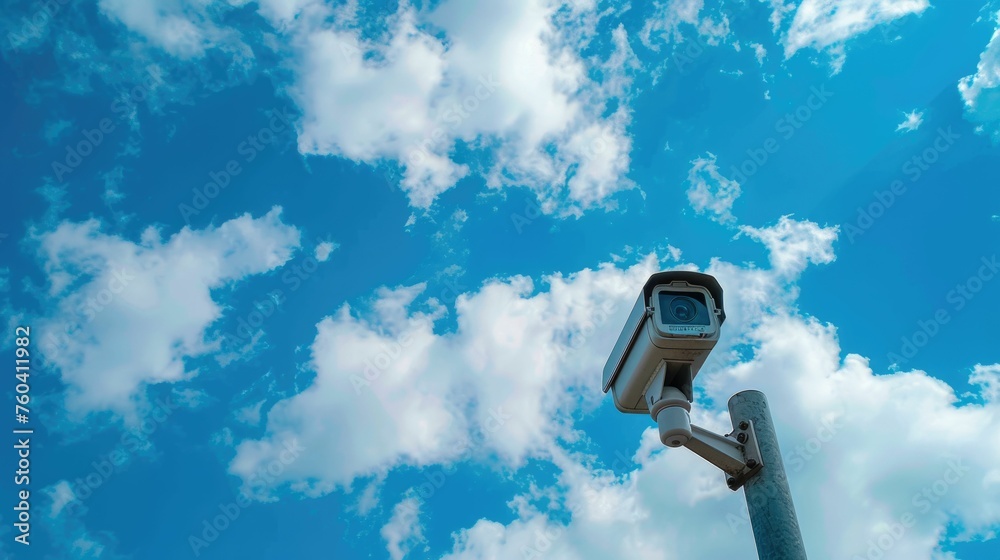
x,y
736,453
668,398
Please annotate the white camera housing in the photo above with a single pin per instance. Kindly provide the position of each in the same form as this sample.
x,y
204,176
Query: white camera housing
x,y
672,328
675,322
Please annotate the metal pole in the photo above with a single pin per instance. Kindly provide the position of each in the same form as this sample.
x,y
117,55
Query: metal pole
x,y
769,500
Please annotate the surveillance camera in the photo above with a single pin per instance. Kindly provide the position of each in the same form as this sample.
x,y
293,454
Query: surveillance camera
x,y
667,338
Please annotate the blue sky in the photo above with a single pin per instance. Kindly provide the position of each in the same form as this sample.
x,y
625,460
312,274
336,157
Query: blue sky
x,y
337,279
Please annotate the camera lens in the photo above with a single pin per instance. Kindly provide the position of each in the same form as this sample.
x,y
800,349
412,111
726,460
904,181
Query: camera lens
x,y
683,309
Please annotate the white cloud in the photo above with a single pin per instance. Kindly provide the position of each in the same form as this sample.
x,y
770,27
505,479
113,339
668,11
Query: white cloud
x,y
538,114
64,527
825,24
250,414
759,52
61,493
988,379
157,52
911,121
458,218
793,245
369,496
709,191
183,28
980,90
642,514
128,314
404,531
665,25
513,84
54,130
427,398
324,250
779,11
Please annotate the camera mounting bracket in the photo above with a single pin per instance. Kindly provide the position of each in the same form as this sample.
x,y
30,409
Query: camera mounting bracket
x,y
737,453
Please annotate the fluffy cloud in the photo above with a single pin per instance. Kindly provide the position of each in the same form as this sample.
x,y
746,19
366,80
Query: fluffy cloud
x,y
980,90
988,379
128,313
670,16
508,82
324,250
793,245
403,532
515,89
828,24
182,28
65,528
709,191
640,514
911,122
759,52
503,384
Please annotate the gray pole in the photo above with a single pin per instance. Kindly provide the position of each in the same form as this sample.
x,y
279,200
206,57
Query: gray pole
x,y
769,500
